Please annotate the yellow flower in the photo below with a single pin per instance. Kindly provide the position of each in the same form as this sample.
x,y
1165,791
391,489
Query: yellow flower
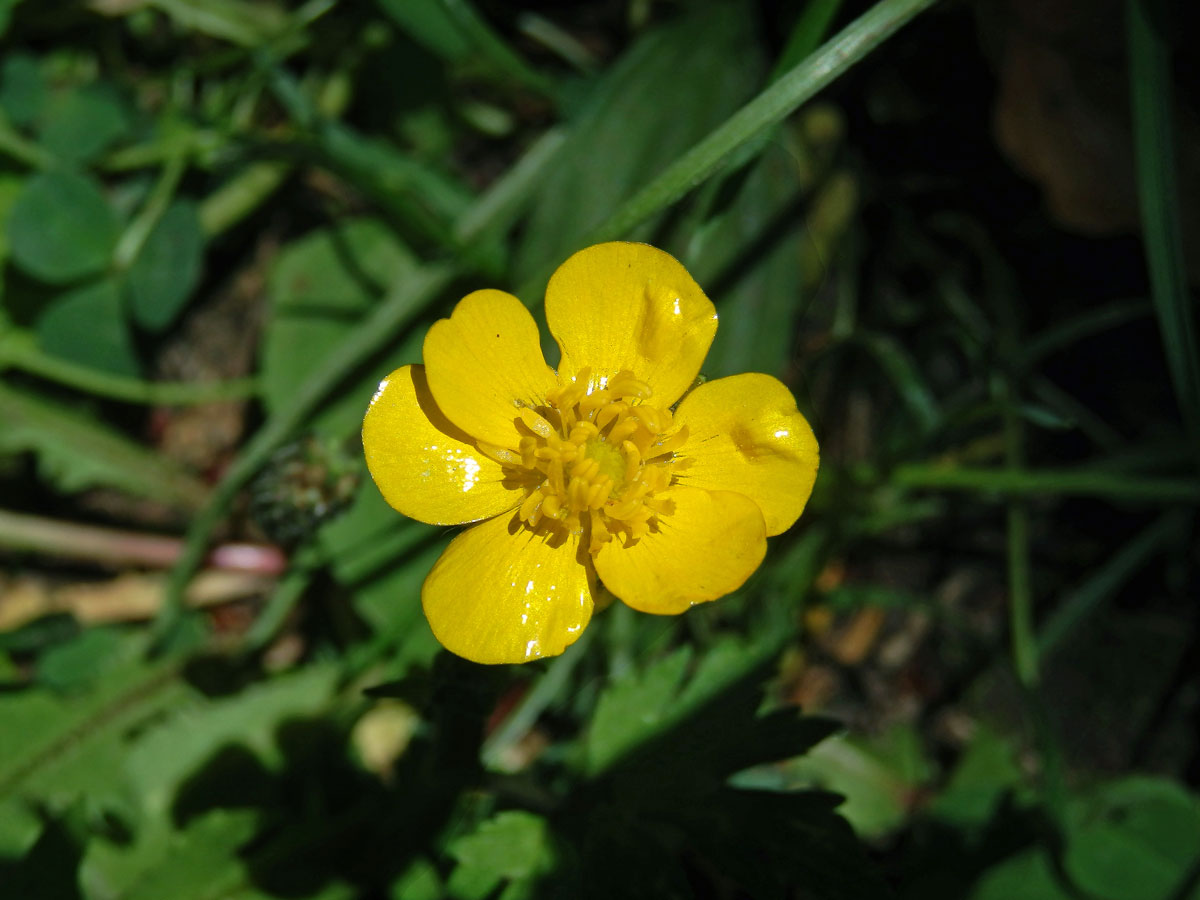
x,y
588,472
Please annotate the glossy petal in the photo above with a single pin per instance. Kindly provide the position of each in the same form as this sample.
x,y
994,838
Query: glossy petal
x,y
746,435
630,306
708,546
503,594
423,465
484,363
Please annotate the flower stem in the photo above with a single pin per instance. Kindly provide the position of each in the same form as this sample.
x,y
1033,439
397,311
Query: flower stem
x,y
37,534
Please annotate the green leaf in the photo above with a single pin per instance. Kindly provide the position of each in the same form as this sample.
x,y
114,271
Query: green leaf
x,y
1134,839
167,269
655,102
23,91
511,847
985,773
61,228
1029,875
169,751
81,123
77,452
192,863
10,189
877,776
430,24
669,733
57,748
629,711
82,661
193,732
86,325
320,287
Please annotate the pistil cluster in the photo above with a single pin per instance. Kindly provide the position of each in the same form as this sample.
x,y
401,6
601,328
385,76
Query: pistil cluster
x,y
597,461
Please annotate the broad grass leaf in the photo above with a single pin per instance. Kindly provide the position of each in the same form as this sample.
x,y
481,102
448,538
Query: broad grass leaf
x,y
653,104
167,269
61,228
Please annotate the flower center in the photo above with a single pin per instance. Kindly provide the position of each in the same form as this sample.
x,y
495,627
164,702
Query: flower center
x,y
598,459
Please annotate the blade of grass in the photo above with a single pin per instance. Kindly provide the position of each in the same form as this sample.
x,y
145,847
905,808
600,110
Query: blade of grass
x,y
800,84
1152,97
1084,600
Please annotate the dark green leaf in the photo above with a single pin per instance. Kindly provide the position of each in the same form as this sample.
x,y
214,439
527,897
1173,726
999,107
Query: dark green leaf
x,y
167,269
320,287
511,847
83,122
1134,839
61,228
87,326
77,452
22,88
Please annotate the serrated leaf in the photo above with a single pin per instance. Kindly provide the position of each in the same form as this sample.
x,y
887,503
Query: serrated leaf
x,y
663,735
61,228
194,862
167,269
178,744
77,452
82,661
512,847
87,325
58,748
631,710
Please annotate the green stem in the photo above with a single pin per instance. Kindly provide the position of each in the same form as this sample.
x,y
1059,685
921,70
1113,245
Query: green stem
x,y
1048,482
534,703
19,350
131,241
16,146
1086,599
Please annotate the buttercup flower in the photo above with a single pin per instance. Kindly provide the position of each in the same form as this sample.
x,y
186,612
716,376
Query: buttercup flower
x,y
589,473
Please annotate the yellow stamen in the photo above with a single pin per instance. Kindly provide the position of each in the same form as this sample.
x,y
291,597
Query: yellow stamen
x,y
595,459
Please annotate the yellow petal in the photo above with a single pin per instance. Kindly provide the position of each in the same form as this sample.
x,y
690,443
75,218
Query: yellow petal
x,y
630,306
503,594
485,363
423,465
708,546
746,435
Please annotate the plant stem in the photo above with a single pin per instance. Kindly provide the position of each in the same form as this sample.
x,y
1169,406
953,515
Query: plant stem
x,y
1048,482
19,350
113,547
